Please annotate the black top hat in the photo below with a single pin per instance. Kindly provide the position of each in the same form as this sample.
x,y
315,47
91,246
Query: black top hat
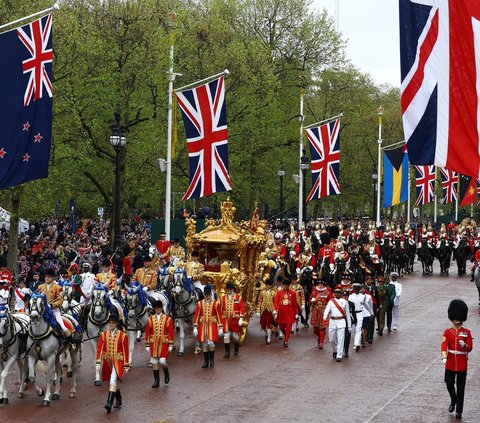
x,y
106,262
147,258
457,310
195,253
157,304
230,285
113,317
50,272
286,281
207,290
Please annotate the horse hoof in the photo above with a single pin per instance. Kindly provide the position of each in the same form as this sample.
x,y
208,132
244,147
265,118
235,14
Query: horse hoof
x,y
98,383
69,374
72,395
20,395
45,403
42,393
55,397
180,353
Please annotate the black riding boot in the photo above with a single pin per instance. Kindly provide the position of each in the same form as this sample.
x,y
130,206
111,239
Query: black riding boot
x,y
156,378
118,399
472,276
227,351
212,359
166,374
108,405
236,349
205,357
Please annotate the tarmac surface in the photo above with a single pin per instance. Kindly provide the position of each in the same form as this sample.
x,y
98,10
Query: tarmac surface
x,y
399,378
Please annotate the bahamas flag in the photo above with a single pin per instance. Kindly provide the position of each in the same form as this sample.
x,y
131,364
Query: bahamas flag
x,y
395,176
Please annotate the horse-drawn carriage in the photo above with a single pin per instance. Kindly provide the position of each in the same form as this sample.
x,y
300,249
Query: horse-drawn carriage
x,y
230,253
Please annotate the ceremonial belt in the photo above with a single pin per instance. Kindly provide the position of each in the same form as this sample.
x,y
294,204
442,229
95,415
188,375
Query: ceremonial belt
x,y
117,356
209,320
162,339
337,318
457,352
359,311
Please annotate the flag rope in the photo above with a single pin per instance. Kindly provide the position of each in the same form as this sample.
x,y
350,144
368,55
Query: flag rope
x,y
203,81
324,121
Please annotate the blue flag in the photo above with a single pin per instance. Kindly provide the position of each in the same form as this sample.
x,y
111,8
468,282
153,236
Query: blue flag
x,y
26,99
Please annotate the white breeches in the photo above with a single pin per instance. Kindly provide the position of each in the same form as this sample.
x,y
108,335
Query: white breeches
x,y
159,361
113,378
58,318
208,345
395,316
226,337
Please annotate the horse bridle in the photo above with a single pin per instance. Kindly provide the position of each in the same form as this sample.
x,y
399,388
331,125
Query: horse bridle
x,y
97,303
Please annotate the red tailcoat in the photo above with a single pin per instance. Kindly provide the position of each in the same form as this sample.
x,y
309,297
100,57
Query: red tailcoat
x,y
233,308
113,350
286,306
208,319
457,356
159,334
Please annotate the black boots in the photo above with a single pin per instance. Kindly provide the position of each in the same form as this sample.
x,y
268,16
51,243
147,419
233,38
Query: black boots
x,y
227,351
205,358
118,399
212,361
108,405
156,378
236,349
166,374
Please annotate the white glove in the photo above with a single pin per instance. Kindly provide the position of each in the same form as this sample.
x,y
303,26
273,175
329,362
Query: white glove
x,y
147,347
462,343
312,300
220,331
303,307
240,322
195,332
145,288
296,316
444,360
258,314
170,348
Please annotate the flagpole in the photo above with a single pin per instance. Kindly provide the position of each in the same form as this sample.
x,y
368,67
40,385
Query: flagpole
x,y
456,209
435,198
408,194
204,80
323,121
300,173
56,6
379,164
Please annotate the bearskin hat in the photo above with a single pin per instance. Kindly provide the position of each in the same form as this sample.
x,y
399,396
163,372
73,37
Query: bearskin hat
x,y
458,310
325,238
333,231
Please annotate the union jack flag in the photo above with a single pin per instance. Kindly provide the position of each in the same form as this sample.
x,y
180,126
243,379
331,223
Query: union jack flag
x,y
440,91
39,46
325,153
205,117
449,185
425,183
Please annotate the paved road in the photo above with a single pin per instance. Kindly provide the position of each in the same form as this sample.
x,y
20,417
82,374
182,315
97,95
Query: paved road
x,y
397,379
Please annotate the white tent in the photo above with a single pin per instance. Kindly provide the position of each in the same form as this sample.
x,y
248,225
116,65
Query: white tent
x,y
5,221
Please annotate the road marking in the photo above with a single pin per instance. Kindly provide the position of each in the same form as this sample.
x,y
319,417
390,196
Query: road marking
x,y
402,390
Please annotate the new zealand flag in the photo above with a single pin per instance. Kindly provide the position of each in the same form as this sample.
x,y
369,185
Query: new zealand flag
x,y
26,99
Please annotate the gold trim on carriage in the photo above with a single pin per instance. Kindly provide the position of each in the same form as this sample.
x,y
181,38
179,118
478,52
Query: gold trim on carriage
x,y
230,253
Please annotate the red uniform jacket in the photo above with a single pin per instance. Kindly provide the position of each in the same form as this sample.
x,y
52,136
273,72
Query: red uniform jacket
x,y
6,275
286,306
327,252
127,266
322,297
113,350
162,247
233,308
208,319
159,334
281,251
457,356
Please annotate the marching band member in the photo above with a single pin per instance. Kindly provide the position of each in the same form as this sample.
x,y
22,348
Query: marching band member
x,y
159,336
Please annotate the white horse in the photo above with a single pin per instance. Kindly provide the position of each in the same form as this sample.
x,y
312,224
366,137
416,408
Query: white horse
x,y
184,302
44,344
13,343
97,321
138,309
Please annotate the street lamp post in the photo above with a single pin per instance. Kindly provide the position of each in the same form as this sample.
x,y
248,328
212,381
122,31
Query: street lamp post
x,y
304,166
118,139
375,180
379,162
281,174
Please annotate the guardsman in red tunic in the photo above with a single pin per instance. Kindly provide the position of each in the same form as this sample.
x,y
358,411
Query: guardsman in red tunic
x,y
159,337
456,344
265,309
319,298
207,325
233,312
285,309
113,355
163,245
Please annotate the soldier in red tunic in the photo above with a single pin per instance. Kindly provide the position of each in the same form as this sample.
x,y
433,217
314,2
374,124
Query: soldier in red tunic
x,y
163,245
285,309
265,309
113,356
207,325
159,337
233,312
456,344
319,299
